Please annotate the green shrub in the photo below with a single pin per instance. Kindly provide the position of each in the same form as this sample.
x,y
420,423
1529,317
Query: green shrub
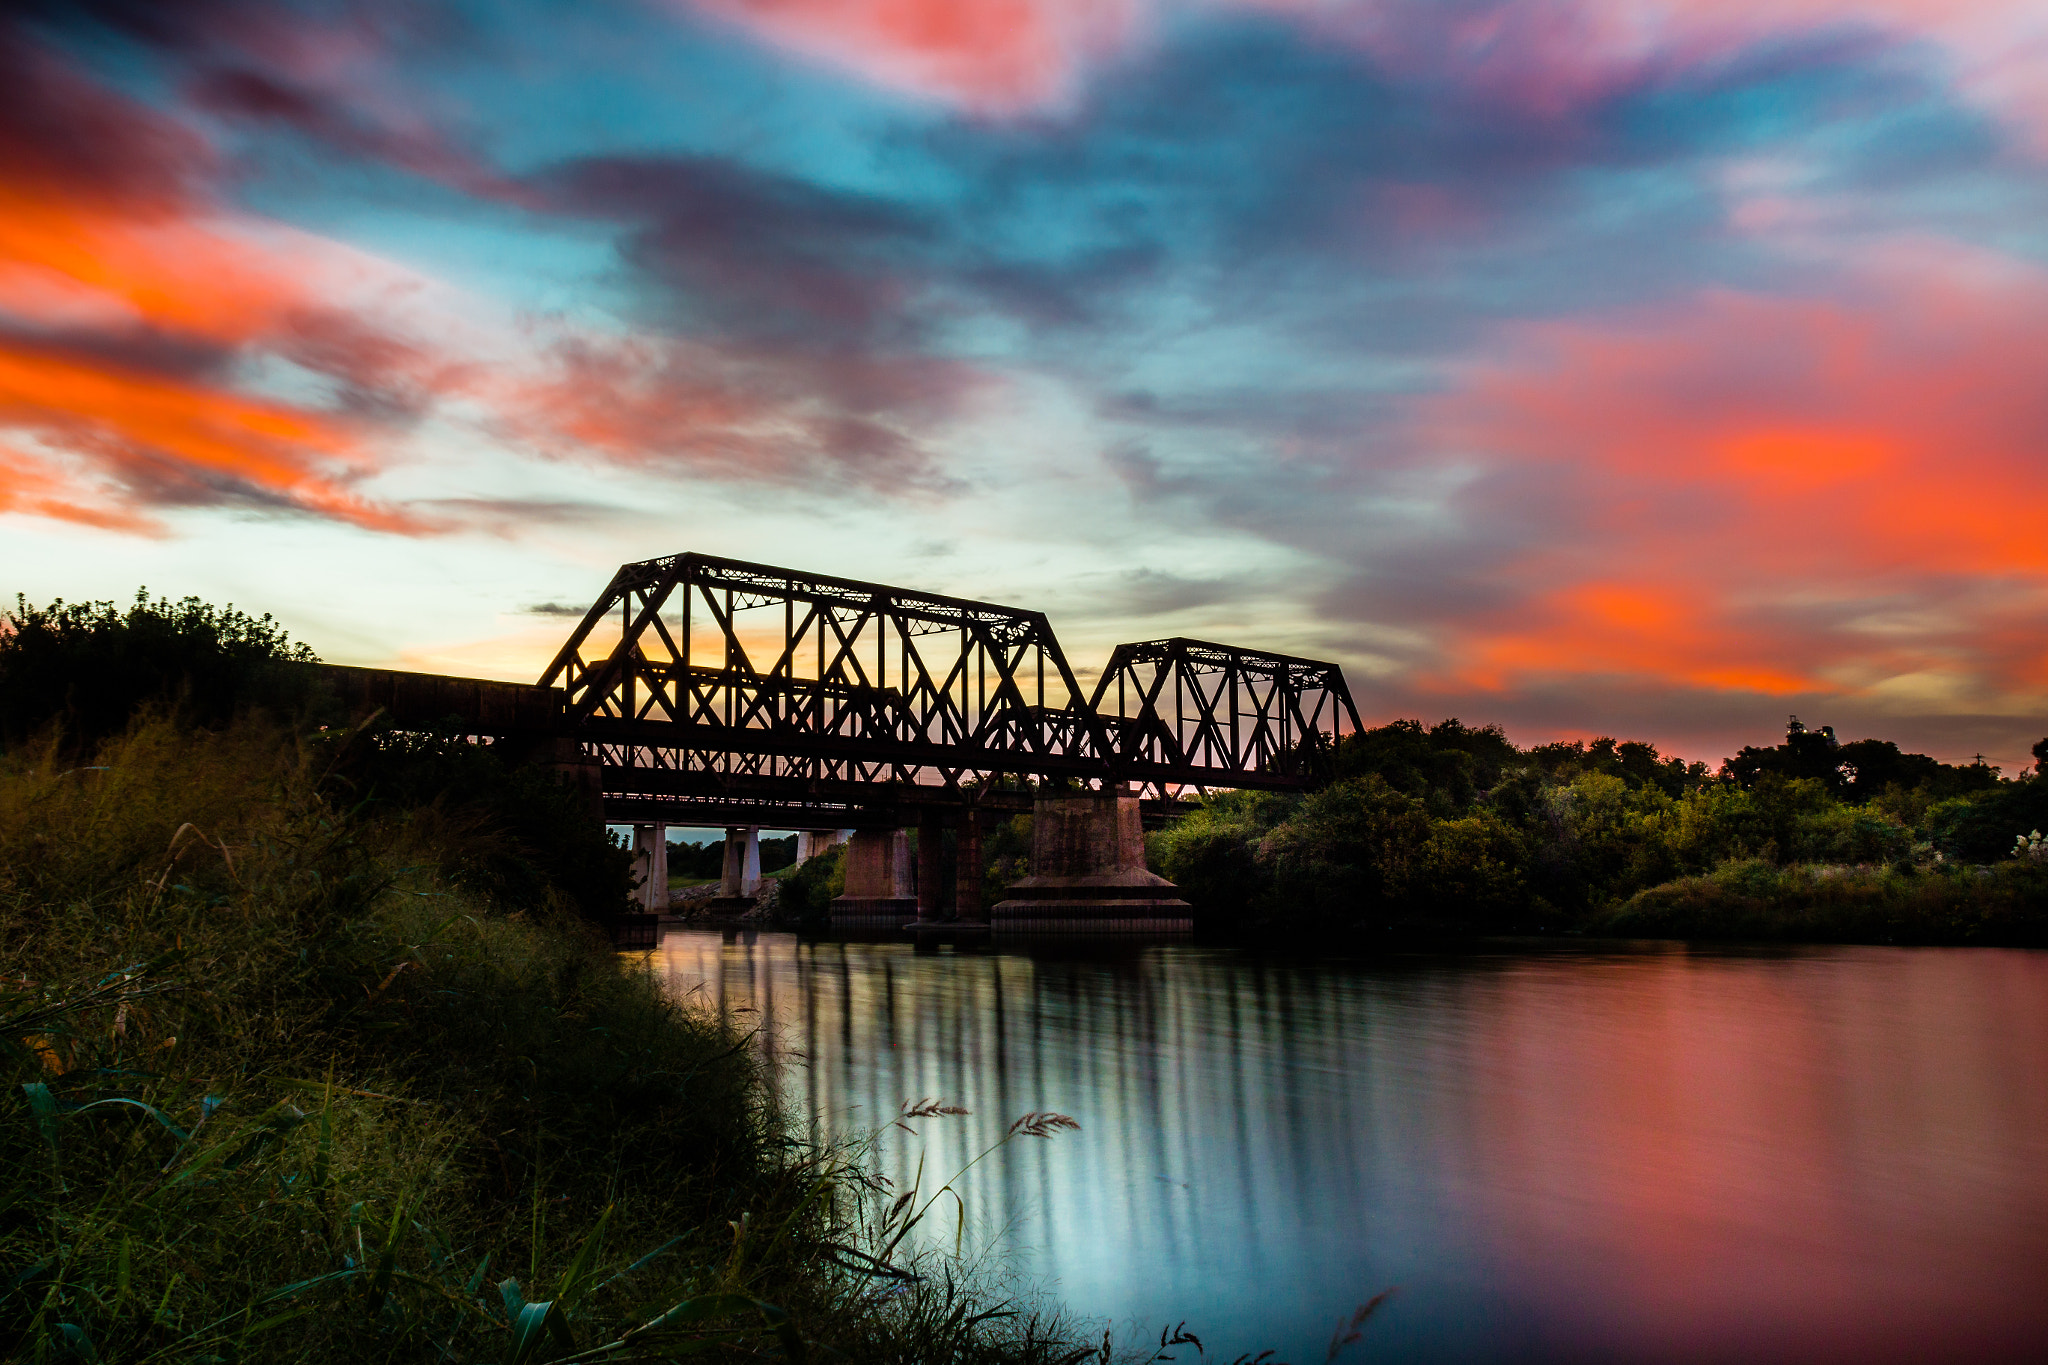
x,y
1349,852
508,832
1468,870
1594,835
1980,828
808,891
1755,899
1211,852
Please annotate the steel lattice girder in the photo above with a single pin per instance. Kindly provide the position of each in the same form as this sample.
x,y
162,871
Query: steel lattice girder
x,y
1192,707
688,685
682,685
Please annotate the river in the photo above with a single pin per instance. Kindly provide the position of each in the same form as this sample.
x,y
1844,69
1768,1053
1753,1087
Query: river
x,y
1640,1152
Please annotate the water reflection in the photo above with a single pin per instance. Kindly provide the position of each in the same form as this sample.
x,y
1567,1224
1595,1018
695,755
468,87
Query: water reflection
x,y
1650,1155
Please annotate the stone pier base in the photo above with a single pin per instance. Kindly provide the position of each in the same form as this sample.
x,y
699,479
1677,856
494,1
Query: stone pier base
x,y
1089,874
878,882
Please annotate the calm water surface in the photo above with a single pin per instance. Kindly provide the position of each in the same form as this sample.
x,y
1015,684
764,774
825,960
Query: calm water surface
x,y
1653,1154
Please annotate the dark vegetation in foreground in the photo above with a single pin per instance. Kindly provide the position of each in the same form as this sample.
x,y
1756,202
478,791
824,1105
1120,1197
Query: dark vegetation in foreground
x,y
1455,829
312,1054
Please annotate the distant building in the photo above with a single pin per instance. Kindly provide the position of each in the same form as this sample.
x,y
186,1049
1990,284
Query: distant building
x,y
1793,729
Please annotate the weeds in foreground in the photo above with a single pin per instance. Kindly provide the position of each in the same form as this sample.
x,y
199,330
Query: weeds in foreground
x,y
332,1103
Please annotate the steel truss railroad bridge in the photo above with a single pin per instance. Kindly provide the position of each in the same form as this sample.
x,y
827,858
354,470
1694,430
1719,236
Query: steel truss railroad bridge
x,y
711,692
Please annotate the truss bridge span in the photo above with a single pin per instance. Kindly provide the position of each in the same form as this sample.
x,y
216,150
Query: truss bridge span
x,y
700,680
709,692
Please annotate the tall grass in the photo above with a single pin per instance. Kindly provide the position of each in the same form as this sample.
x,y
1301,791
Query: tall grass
x,y
281,1085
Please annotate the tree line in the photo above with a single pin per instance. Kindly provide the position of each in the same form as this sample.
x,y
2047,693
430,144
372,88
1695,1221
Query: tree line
x,y
1455,827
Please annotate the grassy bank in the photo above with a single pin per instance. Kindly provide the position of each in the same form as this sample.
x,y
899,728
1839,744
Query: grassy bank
x,y
2003,904
299,1070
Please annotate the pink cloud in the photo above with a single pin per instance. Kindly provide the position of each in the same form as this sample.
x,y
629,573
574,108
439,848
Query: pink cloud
x,y
1776,495
1549,57
991,56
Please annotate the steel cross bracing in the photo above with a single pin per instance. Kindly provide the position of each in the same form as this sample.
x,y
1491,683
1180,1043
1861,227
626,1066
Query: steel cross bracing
x,y
696,678
1186,711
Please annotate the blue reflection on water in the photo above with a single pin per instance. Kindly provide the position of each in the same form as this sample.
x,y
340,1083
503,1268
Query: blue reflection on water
x,y
1648,1153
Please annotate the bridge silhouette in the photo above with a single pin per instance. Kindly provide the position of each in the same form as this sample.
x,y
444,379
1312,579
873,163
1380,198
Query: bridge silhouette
x,y
711,692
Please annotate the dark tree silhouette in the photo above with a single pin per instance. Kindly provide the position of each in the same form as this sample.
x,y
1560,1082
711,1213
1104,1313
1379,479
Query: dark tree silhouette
x,y
91,665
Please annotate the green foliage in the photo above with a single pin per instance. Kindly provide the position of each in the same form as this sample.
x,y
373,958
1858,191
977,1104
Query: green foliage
x,y
1445,766
1470,869
1594,833
1005,857
1452,827
1349,851
278,1085
698,862
1634,762
1981,828
91,665
1818,903
1211,853
807,892
706,861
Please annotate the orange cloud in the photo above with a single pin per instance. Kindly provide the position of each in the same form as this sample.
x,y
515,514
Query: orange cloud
x,y
1772,494
185,440
129,299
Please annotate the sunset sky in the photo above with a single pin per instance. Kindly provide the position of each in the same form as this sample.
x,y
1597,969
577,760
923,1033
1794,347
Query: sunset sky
x,y
1641,367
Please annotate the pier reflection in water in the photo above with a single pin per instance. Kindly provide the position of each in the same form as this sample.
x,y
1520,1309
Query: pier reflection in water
x,y
1659,1154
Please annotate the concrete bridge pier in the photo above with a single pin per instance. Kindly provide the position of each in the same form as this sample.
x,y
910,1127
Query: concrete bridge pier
x,y
878,881
811,842
931,847
650,867
1088,873
741,875
967,906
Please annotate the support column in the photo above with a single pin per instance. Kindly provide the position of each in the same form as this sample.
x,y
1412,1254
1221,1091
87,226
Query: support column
x,y
878,891
1088,873
650,867
812,842
967,873
741,875
931,838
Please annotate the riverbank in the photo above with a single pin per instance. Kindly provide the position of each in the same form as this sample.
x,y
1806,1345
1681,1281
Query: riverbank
x,y
1999,905
1455,831
307,1063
